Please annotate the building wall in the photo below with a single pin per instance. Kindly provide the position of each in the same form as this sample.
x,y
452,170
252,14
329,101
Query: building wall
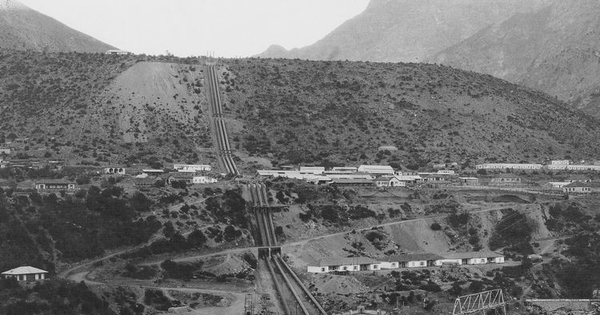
x,y
477,261
448,261
316,269
492,166
389,265
414,264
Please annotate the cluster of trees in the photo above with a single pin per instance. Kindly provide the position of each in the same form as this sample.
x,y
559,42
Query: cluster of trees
x,y
513,230
51,297
77,227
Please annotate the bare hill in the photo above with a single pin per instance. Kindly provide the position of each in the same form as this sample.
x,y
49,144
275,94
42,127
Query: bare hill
x,y
406,30
25,29
554,49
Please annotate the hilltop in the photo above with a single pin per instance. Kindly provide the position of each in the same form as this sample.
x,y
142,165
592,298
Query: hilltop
x,y
23,28
554,49
407,30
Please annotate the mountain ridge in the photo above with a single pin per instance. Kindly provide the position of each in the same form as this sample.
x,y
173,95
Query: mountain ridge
x,y
386,32
555,49
23,28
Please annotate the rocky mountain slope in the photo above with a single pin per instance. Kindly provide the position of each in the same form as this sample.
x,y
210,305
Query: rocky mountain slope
x,y
407,30
555,49
23,28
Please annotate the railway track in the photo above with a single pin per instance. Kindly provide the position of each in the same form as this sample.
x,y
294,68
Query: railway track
x,y
294,297
214,98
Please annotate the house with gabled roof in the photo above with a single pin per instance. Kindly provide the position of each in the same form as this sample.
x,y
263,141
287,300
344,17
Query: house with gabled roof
x,y
25,274
344,264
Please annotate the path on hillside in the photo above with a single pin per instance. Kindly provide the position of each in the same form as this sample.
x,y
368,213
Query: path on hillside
x,y
236,306
304,241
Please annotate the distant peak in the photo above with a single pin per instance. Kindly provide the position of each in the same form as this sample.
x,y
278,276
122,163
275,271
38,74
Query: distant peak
x,y
12,5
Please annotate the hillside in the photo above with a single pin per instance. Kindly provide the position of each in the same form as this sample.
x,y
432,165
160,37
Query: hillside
x,y
293,111
554,49
25,29
72,106
407,30
154,110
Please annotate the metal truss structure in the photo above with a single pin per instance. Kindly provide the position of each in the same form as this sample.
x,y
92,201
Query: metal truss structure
x,y
480,303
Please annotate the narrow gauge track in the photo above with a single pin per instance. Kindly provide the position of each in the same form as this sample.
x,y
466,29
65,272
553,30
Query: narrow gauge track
x,y
214,98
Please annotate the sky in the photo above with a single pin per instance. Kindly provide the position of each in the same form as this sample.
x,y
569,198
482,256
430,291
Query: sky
x,y
223,28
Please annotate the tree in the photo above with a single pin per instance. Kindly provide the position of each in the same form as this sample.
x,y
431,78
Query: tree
x,y
231,233
196,239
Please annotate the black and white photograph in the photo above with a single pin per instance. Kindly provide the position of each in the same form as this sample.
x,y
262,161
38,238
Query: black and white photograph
x,y
300,157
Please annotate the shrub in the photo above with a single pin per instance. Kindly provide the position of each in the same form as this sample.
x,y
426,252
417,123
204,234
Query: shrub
x,y
436,226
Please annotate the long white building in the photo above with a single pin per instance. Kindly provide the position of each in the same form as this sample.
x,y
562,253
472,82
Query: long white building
x,y
514,166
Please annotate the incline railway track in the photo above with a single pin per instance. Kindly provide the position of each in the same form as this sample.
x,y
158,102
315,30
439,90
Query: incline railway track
x,y
294,297
214,98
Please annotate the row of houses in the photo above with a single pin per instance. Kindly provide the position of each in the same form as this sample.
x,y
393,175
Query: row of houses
x,y
553,165
418,260
181,168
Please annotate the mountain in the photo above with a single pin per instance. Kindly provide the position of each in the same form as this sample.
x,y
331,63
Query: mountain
x,y
406,30
555,49
22,28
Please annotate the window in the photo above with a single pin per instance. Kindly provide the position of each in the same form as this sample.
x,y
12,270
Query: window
x,y
422,263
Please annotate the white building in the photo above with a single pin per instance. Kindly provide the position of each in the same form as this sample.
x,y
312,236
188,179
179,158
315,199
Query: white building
x,y
471,258
192,168
577,188
344,264
556,185
353,175
25,274
312,170
376,169
387,181
203,180
410,261
503,166
446,172
114,170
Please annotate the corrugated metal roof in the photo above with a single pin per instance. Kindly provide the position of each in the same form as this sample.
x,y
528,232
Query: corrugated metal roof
x,y
468,255
338,261
414,257
24,270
